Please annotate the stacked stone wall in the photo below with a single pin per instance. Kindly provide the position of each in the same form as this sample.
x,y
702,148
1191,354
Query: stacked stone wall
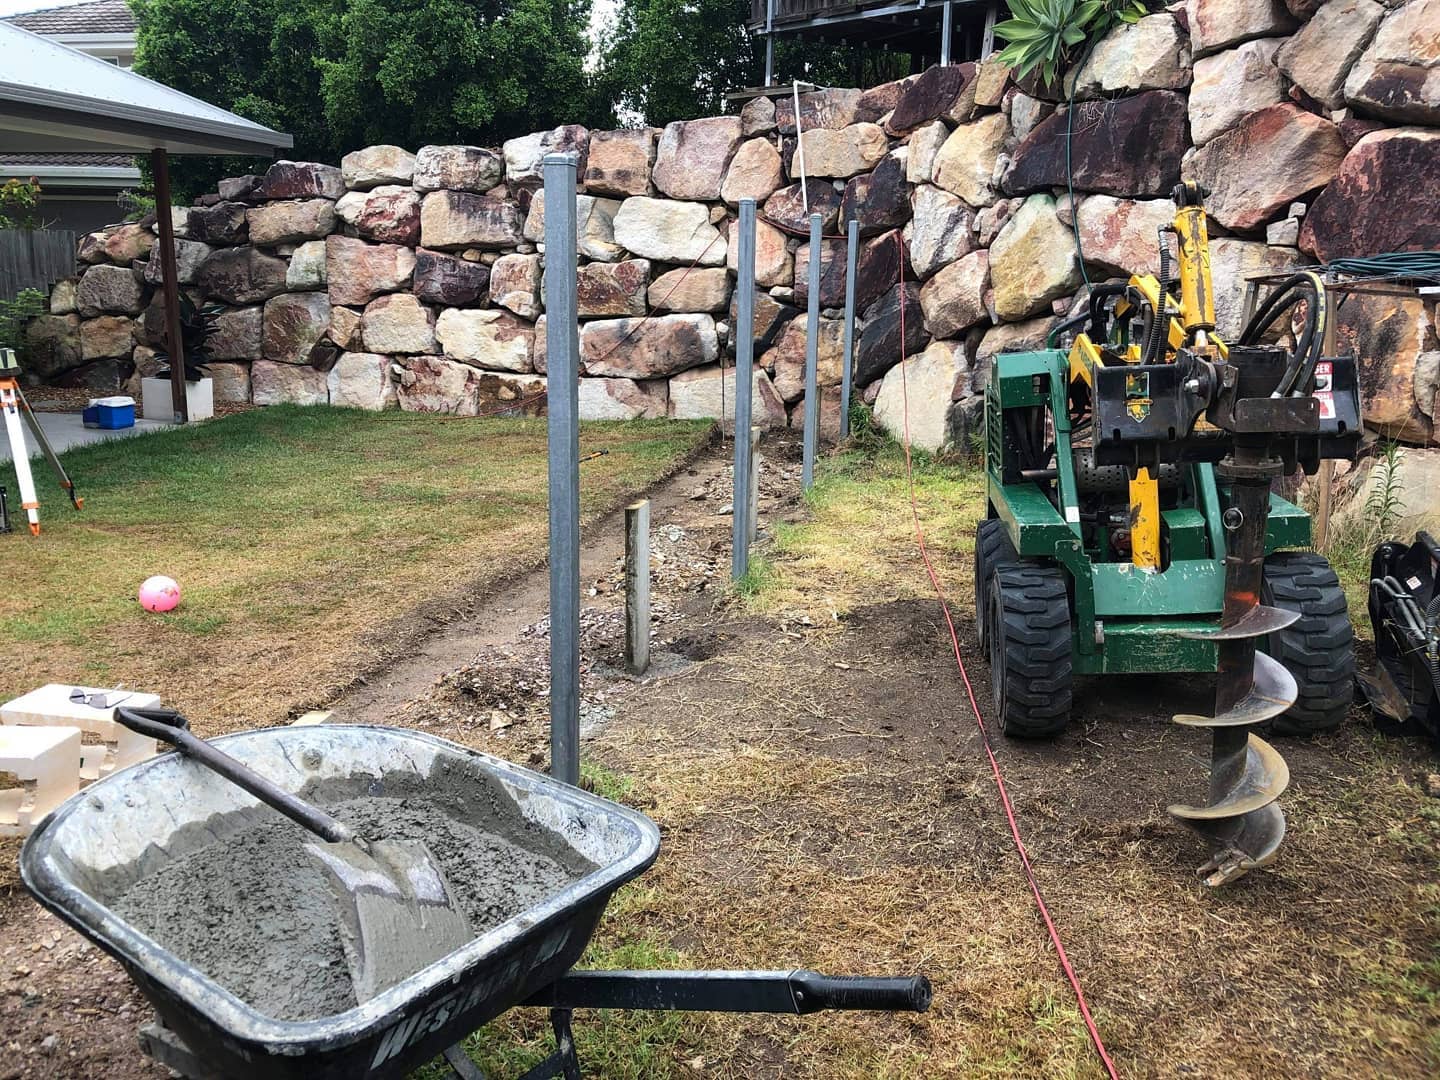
x,y
415,280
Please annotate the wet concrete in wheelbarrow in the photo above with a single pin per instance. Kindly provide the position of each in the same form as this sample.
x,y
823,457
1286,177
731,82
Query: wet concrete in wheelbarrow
x,y
254,910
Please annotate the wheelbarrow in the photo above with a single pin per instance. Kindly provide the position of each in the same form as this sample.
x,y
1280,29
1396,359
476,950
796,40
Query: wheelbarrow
x,y
82,857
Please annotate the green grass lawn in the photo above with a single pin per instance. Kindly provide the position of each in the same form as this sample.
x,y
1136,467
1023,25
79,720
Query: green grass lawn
x,y
301,538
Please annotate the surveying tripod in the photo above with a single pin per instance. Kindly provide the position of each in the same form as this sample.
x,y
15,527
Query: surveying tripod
x,y
14,405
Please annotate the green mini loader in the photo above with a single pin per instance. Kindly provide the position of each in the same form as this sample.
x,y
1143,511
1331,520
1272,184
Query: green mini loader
x,y
1131,525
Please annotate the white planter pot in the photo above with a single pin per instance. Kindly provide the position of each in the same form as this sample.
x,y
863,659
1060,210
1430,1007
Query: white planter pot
x,y
156,402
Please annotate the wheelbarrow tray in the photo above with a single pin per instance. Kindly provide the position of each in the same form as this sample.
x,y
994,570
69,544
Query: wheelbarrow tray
x,y
115,822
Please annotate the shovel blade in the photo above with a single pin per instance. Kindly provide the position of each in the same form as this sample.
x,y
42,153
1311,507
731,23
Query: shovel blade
x,y
397,913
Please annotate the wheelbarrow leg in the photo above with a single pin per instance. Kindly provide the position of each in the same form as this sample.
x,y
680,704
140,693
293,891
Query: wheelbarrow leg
x,y
460,1063
564,1062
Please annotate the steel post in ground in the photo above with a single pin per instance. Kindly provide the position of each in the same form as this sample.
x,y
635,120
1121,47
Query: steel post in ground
x,y
563,407
637,587
742,528
852,256
754,496
812,333
946,32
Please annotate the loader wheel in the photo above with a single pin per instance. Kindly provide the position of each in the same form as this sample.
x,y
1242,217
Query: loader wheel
x,y
1029,649
1319,648
992,547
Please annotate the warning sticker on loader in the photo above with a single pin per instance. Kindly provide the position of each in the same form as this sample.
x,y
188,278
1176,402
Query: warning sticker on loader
x,y
1325,388
1137,396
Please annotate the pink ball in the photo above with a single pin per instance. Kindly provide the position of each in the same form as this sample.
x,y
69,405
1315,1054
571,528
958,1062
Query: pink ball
x,y
159,593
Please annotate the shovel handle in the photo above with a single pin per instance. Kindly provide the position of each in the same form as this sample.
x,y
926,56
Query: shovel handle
x,y
172,728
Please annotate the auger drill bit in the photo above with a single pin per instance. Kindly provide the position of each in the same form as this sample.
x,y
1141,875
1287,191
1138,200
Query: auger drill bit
x,y
1242,821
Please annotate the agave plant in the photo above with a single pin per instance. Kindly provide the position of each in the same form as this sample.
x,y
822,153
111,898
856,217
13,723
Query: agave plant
x,y
197,324
1044,33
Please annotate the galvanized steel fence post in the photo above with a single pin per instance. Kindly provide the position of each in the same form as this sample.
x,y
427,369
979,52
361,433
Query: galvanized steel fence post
x,y
563,407
637,587
742,528
812,331
852,252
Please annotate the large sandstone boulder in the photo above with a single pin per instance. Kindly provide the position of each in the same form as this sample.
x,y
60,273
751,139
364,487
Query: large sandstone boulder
x,y
787,208
387,214
301,180
1219,24
241,276
459,219
458,168
238,188
708,392
361,380
52,345
832,274
515,284
398,323
771,316
1323,51
879,101
594,225
1120,236
878,200
238,334
787,358
854,149
677,232
373,166
435,385
489,339
345,327
290,221
1231,85
623,399
648,349
773,263
1032,260
110,289
1129,147
757,117
612,290
1005,338
357,272
881,342
448,281
1152,53
126,243
230,383
941,230
106,336
1301,153
294,324
1382,199
916,396
190,255
965,165
755,172
273,383
692,156
1388,335
921,151
701,289
524,157
832,108
1231,262
620,162
954,299
1398,76
62,297
223,223
307,270
928,97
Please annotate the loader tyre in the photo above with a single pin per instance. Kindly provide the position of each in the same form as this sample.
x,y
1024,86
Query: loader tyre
x,y
1318,649
1029,649
992,547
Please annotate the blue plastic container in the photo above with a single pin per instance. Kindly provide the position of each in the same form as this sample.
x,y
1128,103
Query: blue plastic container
x,y
111,413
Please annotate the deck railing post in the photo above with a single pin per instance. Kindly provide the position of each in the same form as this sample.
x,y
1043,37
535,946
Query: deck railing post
x,y
637,587
563,407
741,526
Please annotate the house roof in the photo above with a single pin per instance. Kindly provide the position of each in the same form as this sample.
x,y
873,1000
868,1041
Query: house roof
x,y
18,162
95,17
56,100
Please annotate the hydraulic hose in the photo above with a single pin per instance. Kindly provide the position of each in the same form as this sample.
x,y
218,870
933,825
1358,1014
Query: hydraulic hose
x,y
1300,371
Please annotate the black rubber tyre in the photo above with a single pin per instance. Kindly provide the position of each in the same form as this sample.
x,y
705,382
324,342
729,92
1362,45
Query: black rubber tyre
x,y
1319,648
1029,649
992,547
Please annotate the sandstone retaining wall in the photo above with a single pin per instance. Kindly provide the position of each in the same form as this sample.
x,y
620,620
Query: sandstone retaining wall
x,y
415,280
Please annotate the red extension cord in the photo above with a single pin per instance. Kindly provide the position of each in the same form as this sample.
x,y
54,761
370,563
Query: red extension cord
x,y
1065,966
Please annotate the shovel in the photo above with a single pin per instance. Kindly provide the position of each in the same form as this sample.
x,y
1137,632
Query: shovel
x,y
397,913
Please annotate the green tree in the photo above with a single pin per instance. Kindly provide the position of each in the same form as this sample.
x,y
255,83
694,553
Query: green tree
x,y
340,74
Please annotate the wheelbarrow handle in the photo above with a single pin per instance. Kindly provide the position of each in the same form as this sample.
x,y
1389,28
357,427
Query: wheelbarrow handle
x,y
814,992
172,728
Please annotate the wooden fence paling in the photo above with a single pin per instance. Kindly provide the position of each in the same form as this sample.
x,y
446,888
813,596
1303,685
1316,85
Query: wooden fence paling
x,y
34,259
